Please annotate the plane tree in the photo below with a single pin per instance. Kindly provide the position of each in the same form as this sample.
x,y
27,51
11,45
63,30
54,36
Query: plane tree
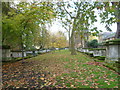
x,y
81,14
110,13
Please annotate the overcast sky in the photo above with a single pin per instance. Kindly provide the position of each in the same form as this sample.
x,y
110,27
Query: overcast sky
x,y
56,26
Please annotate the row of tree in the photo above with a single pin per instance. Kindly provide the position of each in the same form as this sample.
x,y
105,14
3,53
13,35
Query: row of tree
x,y
24,24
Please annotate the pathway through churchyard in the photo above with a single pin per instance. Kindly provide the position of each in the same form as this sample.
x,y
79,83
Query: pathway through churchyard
x,y
58,69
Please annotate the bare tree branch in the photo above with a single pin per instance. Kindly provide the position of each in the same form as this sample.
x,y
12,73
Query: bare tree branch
x,y
67,12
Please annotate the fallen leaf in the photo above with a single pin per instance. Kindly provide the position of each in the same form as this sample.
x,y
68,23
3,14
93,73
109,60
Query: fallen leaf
x,y
106,81
42,78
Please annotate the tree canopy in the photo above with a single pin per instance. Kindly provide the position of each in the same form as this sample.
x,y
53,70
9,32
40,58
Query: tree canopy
x,y
24,24
21,23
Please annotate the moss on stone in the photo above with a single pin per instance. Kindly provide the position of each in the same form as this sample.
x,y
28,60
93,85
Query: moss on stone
x,y
112,42
101,57
85,48
116,40
92,49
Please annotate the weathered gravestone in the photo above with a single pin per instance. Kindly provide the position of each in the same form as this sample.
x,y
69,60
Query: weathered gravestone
x,y
99,52
85,50
113,50
18,53
6,53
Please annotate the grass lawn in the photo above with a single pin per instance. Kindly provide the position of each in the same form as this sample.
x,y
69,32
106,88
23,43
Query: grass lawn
x,y
58,69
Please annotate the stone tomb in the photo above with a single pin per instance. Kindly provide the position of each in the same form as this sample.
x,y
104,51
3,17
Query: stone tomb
x,y
113,50
99,52
18,53
6,55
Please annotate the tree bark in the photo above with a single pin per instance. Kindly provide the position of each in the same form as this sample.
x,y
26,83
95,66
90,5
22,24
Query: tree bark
x,y
22,48
73,51
118,23
118,30
69,39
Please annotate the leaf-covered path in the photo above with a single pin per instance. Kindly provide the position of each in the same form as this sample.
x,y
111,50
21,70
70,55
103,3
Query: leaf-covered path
x,y
58,70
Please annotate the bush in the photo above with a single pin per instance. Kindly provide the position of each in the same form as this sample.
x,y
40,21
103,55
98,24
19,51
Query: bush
x,y
93,43
5,47
39,53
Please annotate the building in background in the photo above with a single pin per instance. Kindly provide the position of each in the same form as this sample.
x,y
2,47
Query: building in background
x,y
105,36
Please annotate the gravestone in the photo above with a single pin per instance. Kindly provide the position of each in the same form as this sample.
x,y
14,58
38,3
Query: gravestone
x,y
6,53
85,50
113,50
99,52
18,53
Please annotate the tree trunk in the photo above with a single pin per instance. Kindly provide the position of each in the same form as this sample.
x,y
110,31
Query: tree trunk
x,y
73,51
118,23
22,48
22,42
69,40
86,39
83,43
22,52
118,30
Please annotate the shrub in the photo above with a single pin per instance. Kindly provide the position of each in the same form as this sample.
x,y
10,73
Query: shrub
x,y
93,43
39,53
5,47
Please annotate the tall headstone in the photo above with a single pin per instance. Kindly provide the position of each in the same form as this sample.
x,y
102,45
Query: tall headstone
x,y
113,50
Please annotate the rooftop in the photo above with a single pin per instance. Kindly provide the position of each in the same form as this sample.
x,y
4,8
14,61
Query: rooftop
x,y
107,35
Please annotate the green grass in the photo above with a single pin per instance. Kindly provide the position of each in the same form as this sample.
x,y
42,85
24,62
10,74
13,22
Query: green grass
x,y
76,73
73,71
81,72
113,66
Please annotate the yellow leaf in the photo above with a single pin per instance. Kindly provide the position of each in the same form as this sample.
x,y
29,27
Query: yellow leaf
x,y
96,86
72,85
42,78
108,83
62,78
33,77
